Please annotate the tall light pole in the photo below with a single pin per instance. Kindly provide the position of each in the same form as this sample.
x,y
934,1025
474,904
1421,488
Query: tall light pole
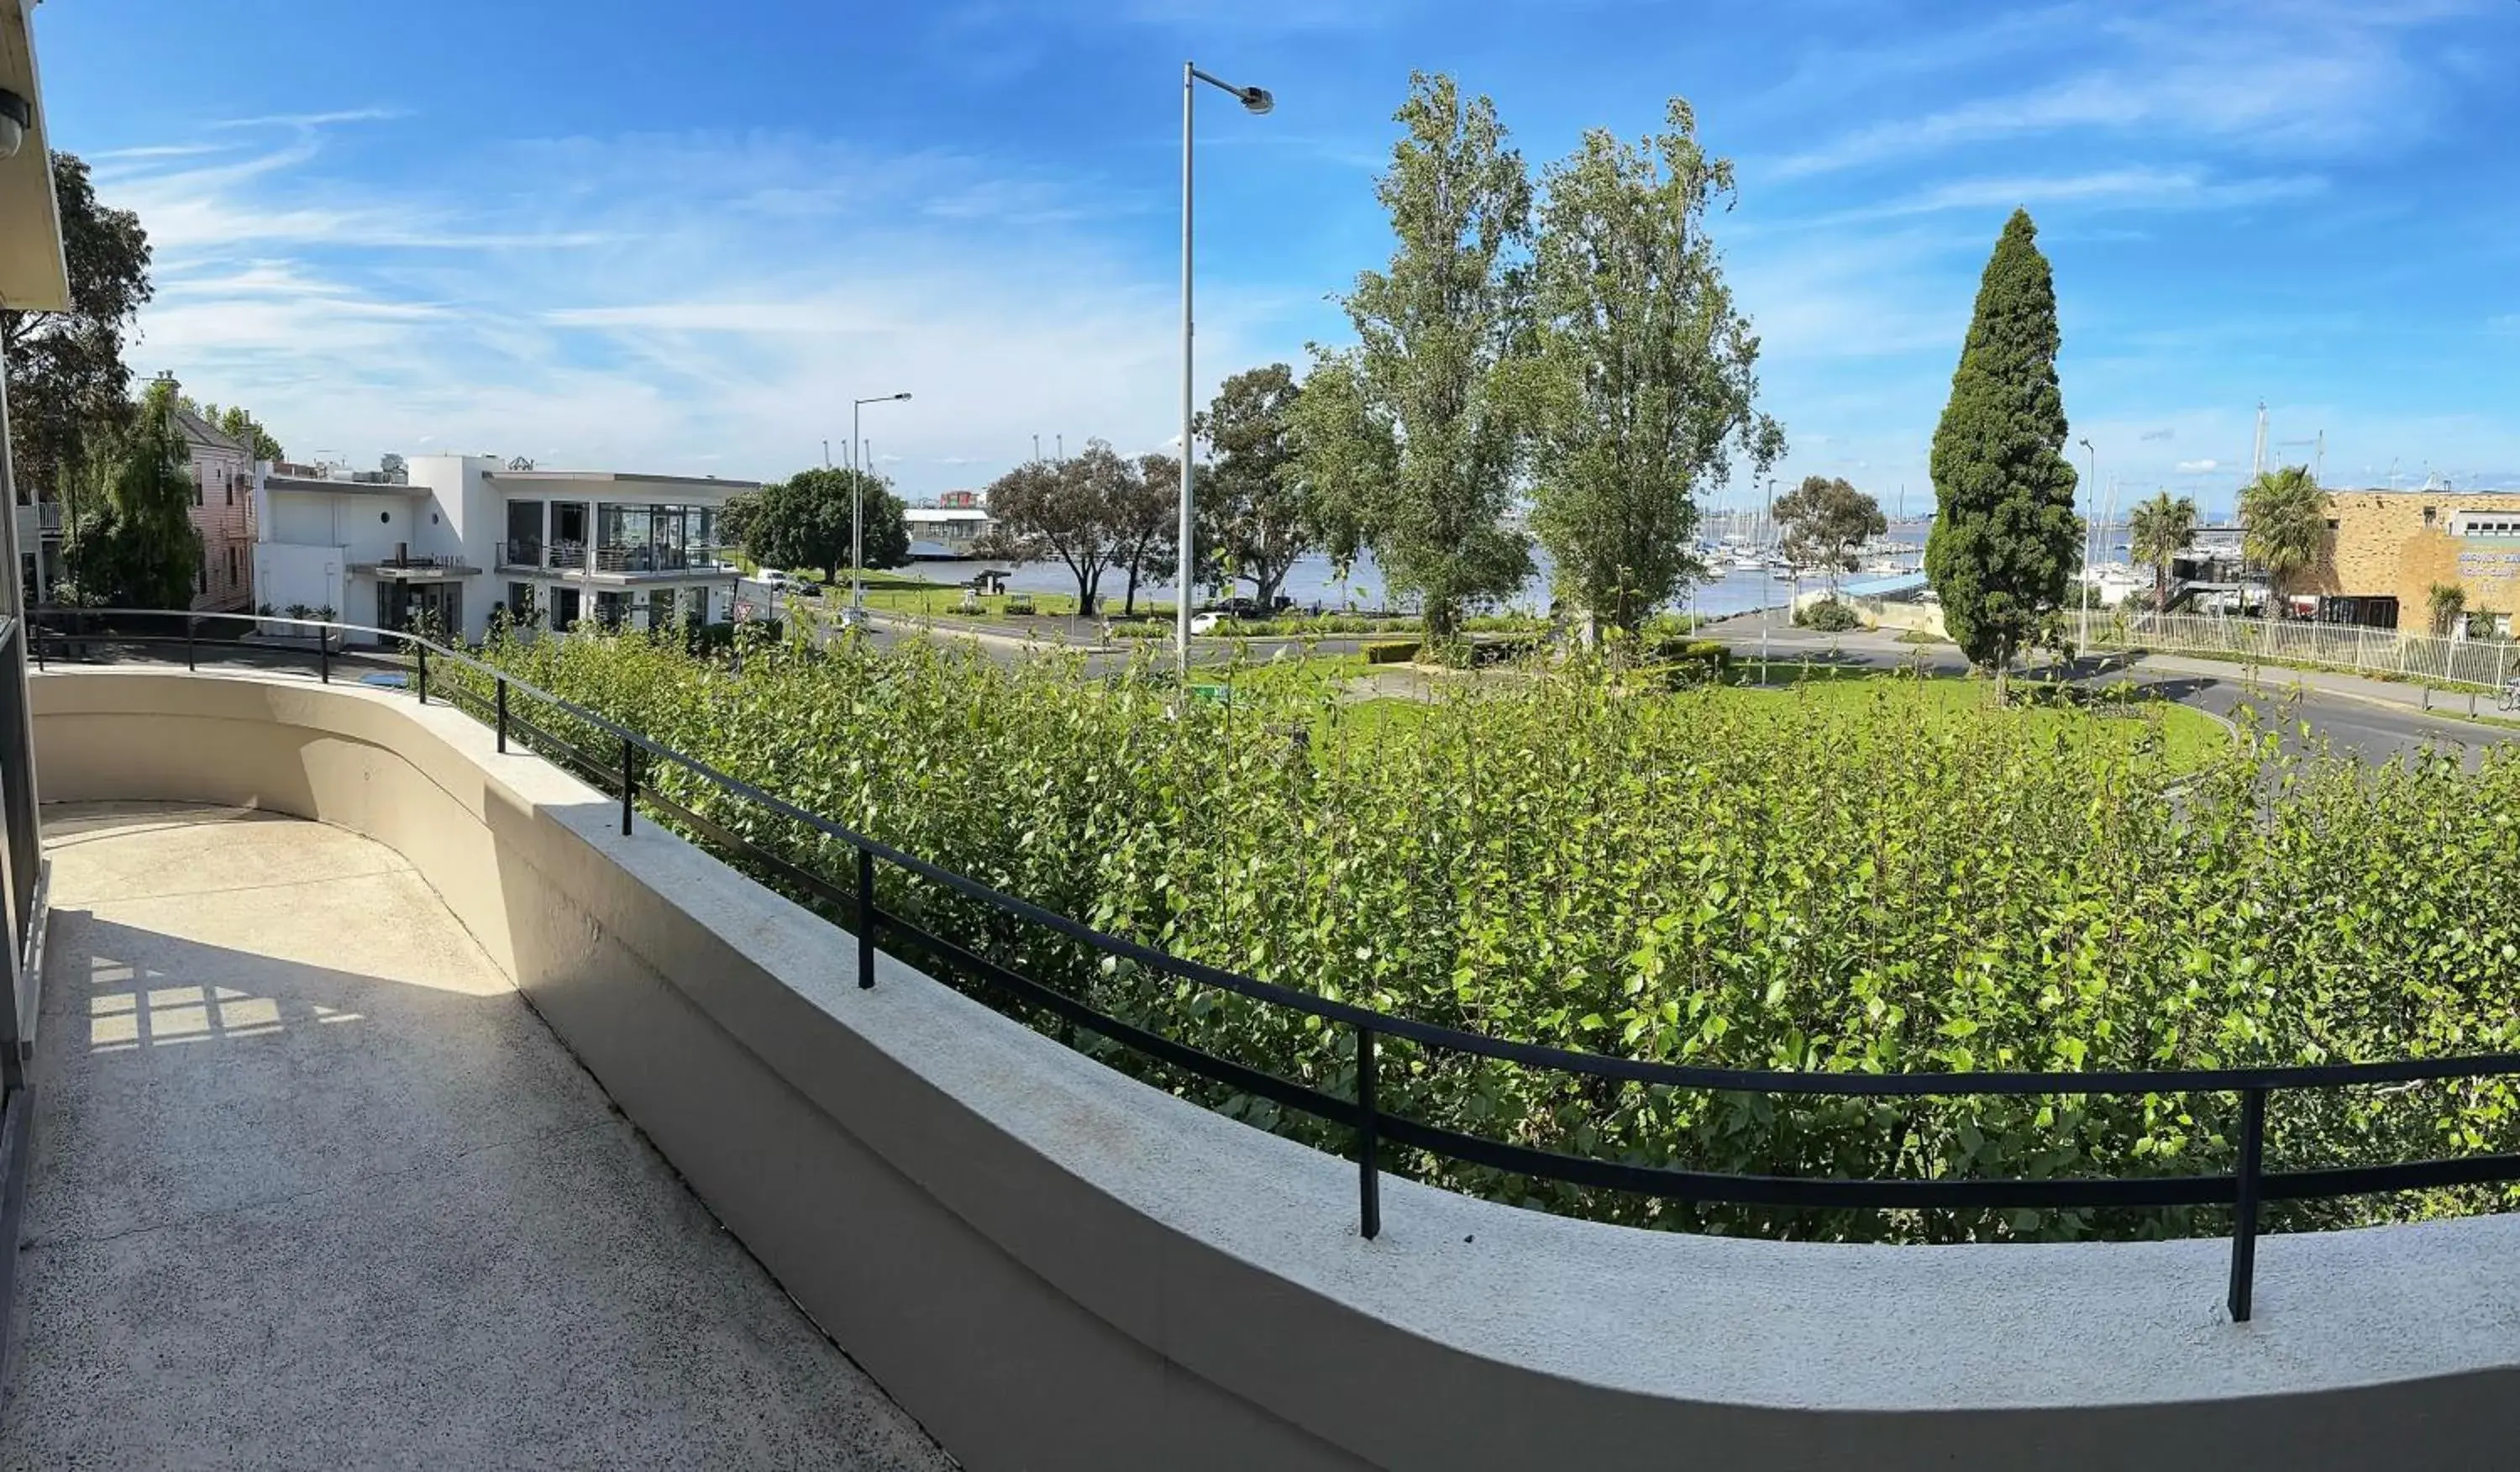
x,y
2084,603
1255,101
857,509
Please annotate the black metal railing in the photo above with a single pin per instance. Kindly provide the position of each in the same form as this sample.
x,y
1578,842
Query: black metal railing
x,y
628,771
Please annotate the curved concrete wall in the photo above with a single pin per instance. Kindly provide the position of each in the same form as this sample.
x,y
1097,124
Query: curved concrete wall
x,y
1055,1266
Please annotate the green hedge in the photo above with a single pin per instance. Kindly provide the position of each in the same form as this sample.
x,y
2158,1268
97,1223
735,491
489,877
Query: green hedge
x,y
1390,652
1851,877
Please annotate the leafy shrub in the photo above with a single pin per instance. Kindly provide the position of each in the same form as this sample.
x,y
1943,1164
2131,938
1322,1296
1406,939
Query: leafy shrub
x,y
1390,652
1831,616
1837,878
720,637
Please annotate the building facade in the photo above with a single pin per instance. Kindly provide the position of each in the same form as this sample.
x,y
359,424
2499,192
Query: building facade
x,y
462,538
224,476
2387,549
950,529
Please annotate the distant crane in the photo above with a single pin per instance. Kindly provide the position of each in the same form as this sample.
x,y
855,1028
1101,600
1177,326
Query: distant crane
x,y
2317,448
2258,452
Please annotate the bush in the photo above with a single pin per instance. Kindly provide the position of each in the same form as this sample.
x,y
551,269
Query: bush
x,y
1829,616
1848,877
718,638
1391,651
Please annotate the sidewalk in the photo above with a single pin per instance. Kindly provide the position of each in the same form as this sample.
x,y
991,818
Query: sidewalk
x,y
2406,694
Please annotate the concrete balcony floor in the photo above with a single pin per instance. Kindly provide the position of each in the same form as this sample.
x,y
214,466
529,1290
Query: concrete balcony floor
x,y
314,1188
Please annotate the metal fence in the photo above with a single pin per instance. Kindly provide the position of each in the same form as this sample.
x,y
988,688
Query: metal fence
x,y
2482,662
623,763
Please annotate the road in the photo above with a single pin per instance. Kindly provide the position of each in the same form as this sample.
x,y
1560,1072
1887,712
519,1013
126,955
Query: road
x,y
2349,716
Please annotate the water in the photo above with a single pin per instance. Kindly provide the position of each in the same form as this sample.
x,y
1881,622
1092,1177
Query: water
x,y
1314,580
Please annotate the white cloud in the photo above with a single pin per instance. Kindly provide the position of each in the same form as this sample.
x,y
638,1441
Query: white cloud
x,y
2198,467
692,301
2117,188
2313,80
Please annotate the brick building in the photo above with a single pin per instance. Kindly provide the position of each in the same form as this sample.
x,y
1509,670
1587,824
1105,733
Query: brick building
x,y
2386,549
223,476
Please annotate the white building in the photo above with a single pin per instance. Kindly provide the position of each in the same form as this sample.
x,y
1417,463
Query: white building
x,y
466,534
944,532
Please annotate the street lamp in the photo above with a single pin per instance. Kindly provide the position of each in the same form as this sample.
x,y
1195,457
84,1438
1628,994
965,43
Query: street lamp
x,y
2089,585
1255,101
857,512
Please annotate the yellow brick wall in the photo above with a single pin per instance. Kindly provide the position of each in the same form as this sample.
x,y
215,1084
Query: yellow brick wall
x,y
2383,546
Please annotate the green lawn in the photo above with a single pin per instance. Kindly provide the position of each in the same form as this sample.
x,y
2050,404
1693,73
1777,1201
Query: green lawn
x,y
2190,737
901,593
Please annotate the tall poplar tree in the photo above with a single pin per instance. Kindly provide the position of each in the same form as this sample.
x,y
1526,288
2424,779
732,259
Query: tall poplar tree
x,y
1411,446
1644,384
2005,541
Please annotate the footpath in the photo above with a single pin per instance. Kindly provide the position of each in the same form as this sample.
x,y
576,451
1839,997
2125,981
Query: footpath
x,y
1872,646
2405,695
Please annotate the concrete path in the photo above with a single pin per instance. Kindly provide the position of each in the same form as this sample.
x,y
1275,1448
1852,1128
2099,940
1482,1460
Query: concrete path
x,y
314,1188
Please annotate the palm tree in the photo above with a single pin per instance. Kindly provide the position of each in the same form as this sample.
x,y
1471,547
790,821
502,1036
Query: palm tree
x,y
2283,526
2157,531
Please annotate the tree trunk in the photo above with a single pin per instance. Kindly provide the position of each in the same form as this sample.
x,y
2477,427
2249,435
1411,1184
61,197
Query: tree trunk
x,y
1085,595
1129,604
1437,620
2003,678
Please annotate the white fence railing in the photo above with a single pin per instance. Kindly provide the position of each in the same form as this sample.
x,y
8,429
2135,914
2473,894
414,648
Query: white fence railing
x,y
2486,663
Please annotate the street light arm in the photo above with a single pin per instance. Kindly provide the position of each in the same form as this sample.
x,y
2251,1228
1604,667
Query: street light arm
x,y
1256,100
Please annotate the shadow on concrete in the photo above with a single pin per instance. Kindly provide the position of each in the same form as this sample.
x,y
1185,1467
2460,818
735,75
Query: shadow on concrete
x,y
314,1188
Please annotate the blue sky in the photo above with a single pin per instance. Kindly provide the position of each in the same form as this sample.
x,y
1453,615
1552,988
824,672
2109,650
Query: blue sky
x,y
680,237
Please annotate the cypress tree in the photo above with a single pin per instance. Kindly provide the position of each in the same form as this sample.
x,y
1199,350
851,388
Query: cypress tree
x,y
2005,541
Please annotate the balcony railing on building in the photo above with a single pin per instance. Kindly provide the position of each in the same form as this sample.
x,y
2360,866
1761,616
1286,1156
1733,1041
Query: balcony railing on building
x,y
646,556
607,557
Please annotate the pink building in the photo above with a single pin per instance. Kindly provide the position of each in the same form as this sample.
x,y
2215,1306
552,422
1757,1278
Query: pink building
x,y
223,480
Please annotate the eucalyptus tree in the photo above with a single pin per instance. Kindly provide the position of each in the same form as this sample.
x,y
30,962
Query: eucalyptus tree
x,y
1255,515
1825,523
1070,510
